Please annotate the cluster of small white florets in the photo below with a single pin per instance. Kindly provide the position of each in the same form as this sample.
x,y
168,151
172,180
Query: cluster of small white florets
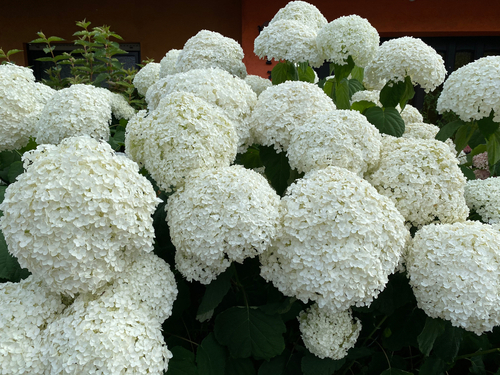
x,y
422,178
453,270
220,216
367,95
402,57
338,243
472,92
146,77
328,334
76,213
348,36
183,134
120,107
421,130
483,196
342,138
168,64
303,12
258,83
209,49
21,102
410,114
283,107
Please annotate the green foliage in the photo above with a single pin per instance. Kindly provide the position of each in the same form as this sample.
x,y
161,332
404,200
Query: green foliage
x,y
6,55
386,120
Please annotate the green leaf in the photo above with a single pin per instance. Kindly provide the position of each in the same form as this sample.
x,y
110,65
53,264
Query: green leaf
x,y
358,73
449,130
250,159
493,148
54,39
329,87
49,49
432,329
448,343
396,371
306,73
477,366
284,71
215,292
240,366
386,120
468,173
312,365
463,135
342,98
9,266
249,331
15,169
45,59
394,93
276,366
362,105
13,51
408,94
487,126
100,78
354,87
343,71
433,366
182,362
39,40
210,357
277,168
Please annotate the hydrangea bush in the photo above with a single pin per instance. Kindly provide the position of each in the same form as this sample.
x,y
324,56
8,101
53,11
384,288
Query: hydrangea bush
x,y
244,226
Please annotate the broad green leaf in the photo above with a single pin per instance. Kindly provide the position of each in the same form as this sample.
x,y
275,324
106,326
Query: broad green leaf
x,y
54,39
386,120
215,292
277,168
463,135
342,97
362,105
468,173
449,130
432,329
9,267
240,366
250,159
42,39
396,371
250,332
433,366
312,365
182,362
487,126
276,366
448,343
343,71
15,169
493,148
358,73
210,357
13,51
329,87
100,78
408,94
354,87
306,73
49,49
284,71
477,366
394,93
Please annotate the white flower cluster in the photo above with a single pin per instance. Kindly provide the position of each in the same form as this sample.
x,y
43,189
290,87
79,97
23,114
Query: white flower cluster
x,y
342,138
338,243
410,114
21,102
422,130
348,36
209,49
183,134
281,108
453,270
217,87
402,57
77,213
257,83
120,107
422,178
27,307
472,91
168,64
483,196
328,334
367,95
303,12
219,216
146,77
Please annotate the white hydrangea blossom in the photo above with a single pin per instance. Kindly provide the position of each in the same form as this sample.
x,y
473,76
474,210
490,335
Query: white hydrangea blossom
x,y
257,83
472,90
328,334
146,77
422,178
343,138
220,216
348,36
27,307
483,196
410,114
339,241
21,103
77,213
406,56
368,95
303,12
168,64
283,107
210,49
183,134
288,40
120,107
218,87
453,270
422,130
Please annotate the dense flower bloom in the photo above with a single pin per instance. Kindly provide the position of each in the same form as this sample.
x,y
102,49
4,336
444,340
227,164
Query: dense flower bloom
x,y
410,114
120,107
348,36
483,196
146,77
257,83
342,138
183,134
472,90
453,270
219,216
26,308
422,178
303,12
77,213
328,334
402,57
21,103
209,49
367,95
283,107
338,243
421,130
168,64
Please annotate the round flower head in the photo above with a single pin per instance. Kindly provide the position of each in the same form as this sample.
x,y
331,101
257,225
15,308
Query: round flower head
x,y
338,243
209,49
367,95
410,114
422,178
406,56
453,270
120,107
21,103
483,196
217,87
168,64
328,334
343,138
472,91
421,130
146,77
74,111
27,307
281,108
288,40
219,216
348,36
76,214
183,134
257,83
302,12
